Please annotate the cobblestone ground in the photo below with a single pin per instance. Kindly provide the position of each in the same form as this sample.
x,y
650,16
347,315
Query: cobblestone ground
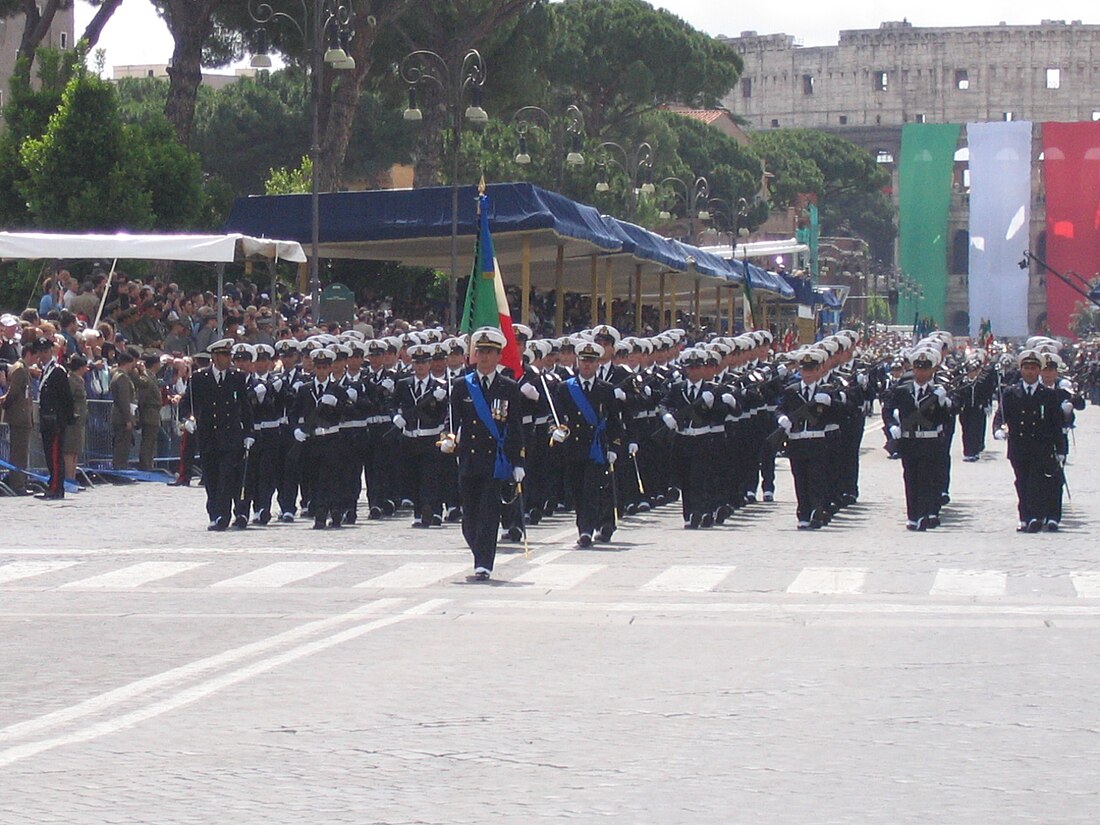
x,y
151,672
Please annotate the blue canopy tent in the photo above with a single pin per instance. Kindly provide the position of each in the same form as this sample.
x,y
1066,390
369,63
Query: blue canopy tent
x,y
541,238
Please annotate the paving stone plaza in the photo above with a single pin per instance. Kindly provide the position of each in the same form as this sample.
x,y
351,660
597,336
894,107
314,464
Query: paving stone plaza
x,y
157,673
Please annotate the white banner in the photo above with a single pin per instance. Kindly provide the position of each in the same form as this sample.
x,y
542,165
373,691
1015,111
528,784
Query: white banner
x,y
1000,217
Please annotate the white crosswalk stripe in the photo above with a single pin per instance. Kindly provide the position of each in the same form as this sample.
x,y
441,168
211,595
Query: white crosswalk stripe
x,y
688,578
558,576
548,570
417,574
278,574
952,582
834,581
16,570
134,575
1087,584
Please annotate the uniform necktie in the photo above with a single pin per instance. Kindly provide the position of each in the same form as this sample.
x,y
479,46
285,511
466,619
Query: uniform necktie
x,y
691,393
806,393
485,383
419,388
218,377
588,386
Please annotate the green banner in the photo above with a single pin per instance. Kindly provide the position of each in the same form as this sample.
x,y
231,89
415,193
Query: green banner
x,y
924,198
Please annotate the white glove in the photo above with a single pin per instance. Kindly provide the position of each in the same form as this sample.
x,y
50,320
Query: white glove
x,y
861,379
518,474
353,394
784,422
782,371
399,421
1067,408
895,432
300,436
632,449
729,400
612,456
530,391
1061,460
133,409
387,384
248,442
941,395
447,446
440,394
558,436
708,398
1065,384
261,391
277,385
843,397
646,391
999,434
670,422
329,400
620,394
189,425
823,398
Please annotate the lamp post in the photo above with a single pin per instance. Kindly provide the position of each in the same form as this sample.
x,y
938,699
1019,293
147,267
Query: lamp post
x,y
320,19
424,66
637,165
691,194
528,117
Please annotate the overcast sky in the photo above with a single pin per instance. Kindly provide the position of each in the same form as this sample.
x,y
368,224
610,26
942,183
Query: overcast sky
x,y
136,35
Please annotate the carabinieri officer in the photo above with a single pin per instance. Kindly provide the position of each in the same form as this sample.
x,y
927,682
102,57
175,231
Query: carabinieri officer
x,y
488,437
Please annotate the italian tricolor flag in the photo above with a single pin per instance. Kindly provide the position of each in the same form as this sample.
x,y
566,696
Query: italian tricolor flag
x,y
486,303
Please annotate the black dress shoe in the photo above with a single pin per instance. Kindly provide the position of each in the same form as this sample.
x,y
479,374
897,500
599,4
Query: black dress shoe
x,y
419,525
336,521
944,499
454,515
219,526
375,513
606,532
933,522
481,576
240,522
707,521
694,522
922,524
50,496
1034,526
437,521
514,534
724,512
178,483
350,517
319,524
631,509
585,540
388,508
643,507
534,515
1051,526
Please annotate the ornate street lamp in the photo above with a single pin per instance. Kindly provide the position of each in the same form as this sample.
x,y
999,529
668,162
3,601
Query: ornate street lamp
x,y
636,164
424,66
523,120
321,20
691,195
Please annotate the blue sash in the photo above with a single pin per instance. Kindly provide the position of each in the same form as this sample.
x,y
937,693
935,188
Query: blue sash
x,y
502,470
595,451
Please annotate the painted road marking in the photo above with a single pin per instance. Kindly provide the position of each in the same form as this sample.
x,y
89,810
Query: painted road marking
x,y
133,575
951,582
689,578
417,574
25,569
279,574
829,580
558,576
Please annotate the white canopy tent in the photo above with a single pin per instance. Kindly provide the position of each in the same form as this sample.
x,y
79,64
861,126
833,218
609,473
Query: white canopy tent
x,y
216,249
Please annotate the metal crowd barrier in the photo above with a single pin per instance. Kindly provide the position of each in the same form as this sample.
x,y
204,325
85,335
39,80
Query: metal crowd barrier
x,y
98,440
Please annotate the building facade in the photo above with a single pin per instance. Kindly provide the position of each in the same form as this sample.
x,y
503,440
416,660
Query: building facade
x,y
874,81
60,36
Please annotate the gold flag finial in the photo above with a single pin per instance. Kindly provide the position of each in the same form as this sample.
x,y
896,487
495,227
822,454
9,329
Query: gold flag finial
x,y
481,186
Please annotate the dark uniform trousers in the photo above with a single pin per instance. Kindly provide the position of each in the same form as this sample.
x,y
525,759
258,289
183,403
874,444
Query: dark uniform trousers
x,y
972,423
923,473
424,469
264,469
694,462
321,454
809,461
477,450
1034,437
224,417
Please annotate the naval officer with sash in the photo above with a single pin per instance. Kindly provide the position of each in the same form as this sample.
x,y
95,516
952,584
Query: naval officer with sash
x,y
488,437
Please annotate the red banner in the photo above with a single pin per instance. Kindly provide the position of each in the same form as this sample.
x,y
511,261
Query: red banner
x,y
1071,174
